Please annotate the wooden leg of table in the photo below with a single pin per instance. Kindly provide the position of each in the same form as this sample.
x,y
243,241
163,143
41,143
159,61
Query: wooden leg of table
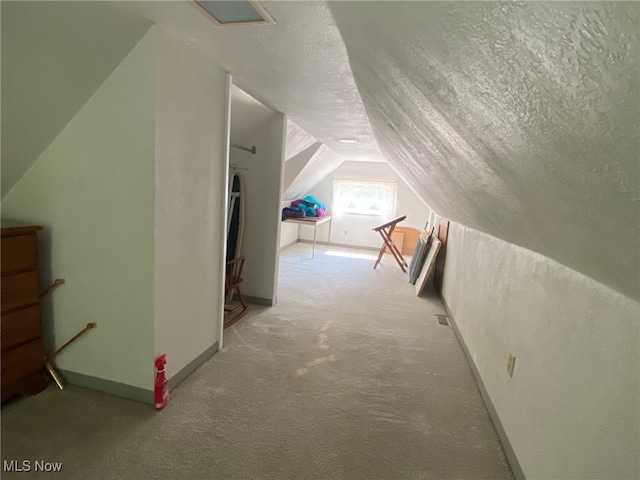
x,y
398,256
384,245
394,250
397,253
388,243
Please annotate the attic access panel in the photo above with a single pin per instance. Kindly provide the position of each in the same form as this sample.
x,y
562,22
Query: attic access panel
x,y
236,12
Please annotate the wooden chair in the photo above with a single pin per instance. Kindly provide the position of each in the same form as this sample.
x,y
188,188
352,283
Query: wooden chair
x,y
232,282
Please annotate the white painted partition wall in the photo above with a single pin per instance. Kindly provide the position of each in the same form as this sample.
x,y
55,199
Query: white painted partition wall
x,y
132,197
571,408
93,191
263,188
190,204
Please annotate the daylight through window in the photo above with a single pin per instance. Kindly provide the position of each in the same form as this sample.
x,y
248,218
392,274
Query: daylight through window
x,y
364,197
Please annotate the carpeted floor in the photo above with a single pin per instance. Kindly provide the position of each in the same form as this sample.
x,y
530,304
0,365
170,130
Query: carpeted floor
x,y
349,377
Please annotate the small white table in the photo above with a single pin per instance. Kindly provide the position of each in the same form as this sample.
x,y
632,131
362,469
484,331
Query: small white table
x,y
315,221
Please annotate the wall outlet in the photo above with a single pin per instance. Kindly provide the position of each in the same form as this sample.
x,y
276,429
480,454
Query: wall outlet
x,y
511,365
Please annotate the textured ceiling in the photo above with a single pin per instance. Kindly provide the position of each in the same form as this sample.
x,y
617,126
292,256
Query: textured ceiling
x,y
297,140
307,160
518,119
298,66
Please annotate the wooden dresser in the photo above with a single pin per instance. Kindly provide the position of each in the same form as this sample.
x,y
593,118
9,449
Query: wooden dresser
x,y
22,359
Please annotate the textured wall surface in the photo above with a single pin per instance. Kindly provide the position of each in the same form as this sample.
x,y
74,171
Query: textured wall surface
x,y
571,408
55,55
93,191
190,201
516,119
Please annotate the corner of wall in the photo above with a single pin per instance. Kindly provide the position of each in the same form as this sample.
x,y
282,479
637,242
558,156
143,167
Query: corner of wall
x,y
191,122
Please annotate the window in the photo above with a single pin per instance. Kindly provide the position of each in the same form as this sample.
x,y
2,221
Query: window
x,y
364,197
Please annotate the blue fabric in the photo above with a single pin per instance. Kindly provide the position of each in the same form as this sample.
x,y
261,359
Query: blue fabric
x,y
313,201
309,210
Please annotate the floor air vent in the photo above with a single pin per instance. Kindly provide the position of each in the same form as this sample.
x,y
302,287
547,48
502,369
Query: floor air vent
x,y
442,320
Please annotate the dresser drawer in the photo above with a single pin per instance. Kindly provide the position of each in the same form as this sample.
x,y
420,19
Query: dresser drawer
x,y
30,385
19,253
20,290
20,326
22,361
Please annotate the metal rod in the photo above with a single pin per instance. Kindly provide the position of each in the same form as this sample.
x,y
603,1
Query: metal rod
x,y
47,359
79,334
246,149
54,374
233,167
54,285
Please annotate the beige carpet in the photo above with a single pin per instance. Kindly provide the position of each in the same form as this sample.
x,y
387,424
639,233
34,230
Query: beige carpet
x,y
348,377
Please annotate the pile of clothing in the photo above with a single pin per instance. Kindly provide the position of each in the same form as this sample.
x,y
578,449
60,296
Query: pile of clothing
x,y
304,207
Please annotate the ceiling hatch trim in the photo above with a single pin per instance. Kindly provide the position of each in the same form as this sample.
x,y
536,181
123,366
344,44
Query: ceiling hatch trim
x,y
234,13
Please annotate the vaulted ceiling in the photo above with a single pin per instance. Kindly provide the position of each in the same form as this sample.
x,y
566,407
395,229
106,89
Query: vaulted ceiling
x,y
520,120
517,119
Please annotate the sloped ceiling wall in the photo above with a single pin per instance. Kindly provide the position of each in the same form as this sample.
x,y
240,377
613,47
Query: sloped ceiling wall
x,y
517,119
322,163
307,162
297,140
247,116
294,167
55,55
299,66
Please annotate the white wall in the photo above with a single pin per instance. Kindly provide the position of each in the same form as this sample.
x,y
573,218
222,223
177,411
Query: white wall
x,y
288,234
358,228
261,237
571,408
55,55
93,190
190,203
